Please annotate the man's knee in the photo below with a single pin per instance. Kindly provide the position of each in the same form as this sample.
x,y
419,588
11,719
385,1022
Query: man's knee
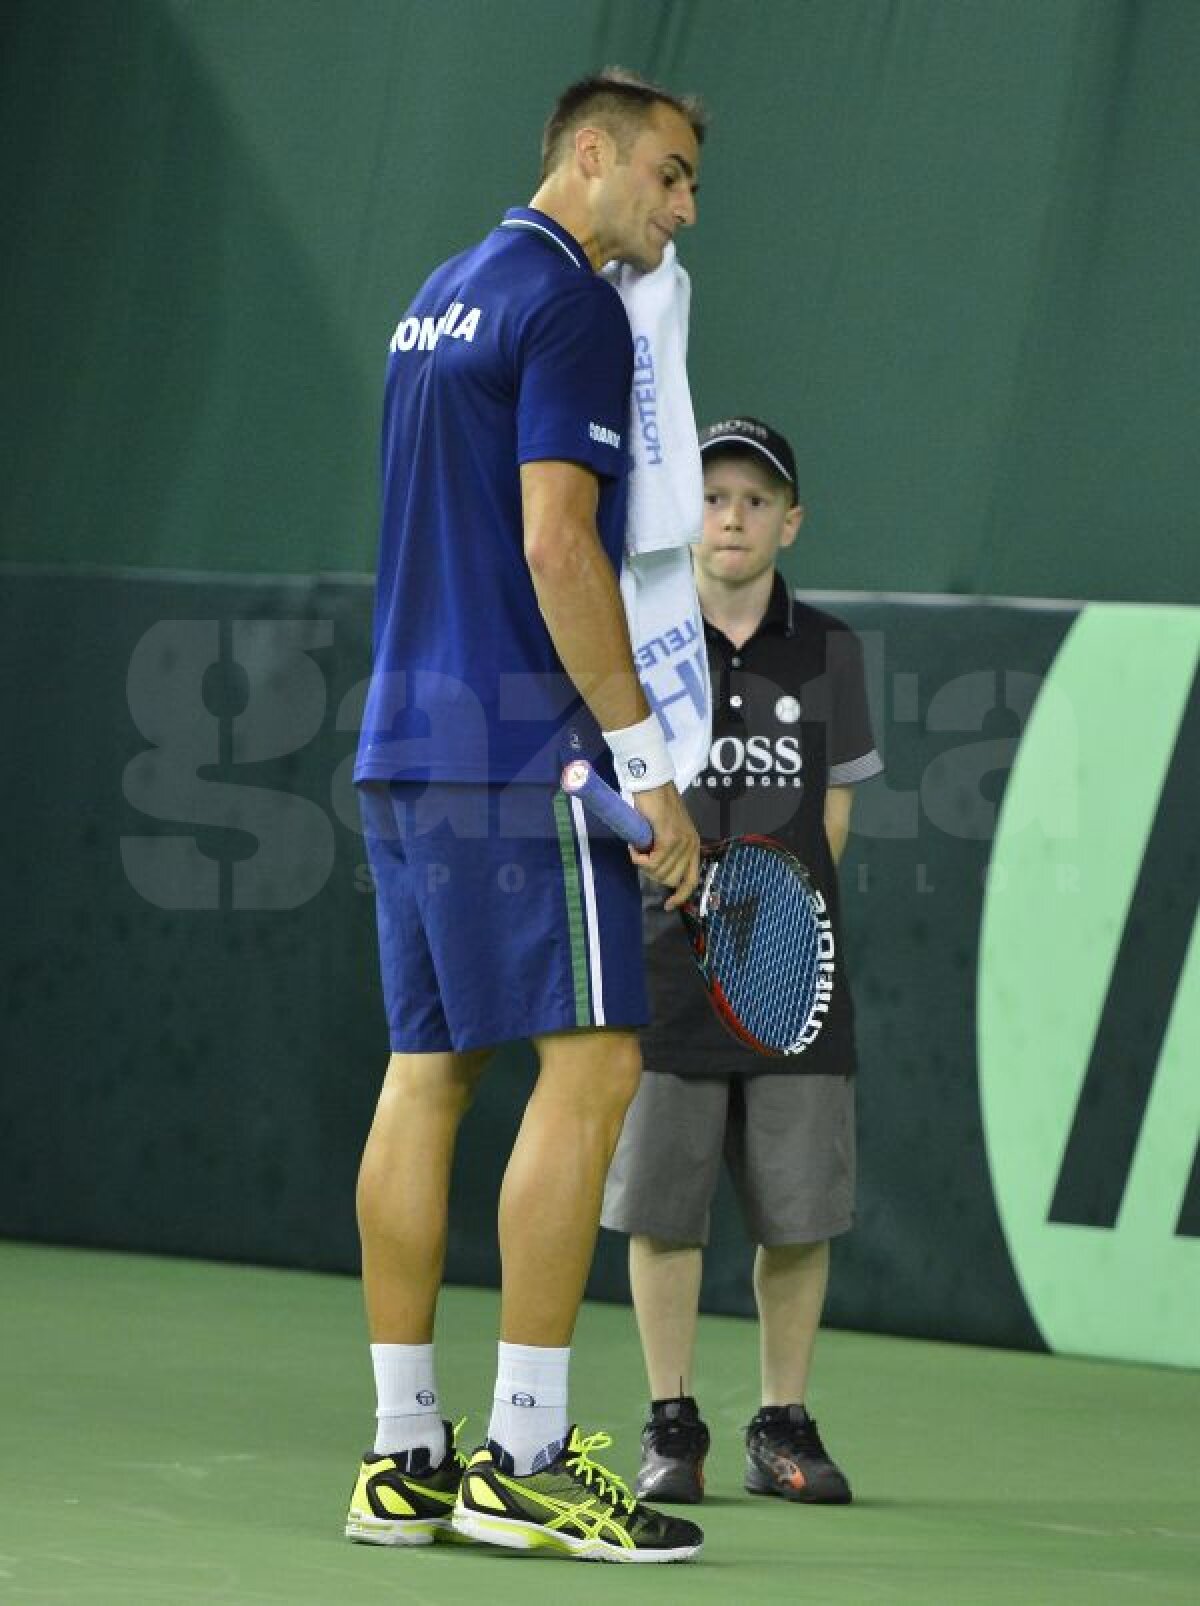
x,y
624,1072
602,1069
445,1081
615,1087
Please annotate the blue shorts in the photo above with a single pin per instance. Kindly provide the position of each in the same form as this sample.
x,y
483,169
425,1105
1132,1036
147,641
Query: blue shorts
x,y
504,912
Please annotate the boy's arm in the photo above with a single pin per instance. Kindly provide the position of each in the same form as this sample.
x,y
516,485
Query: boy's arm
x,y
839,800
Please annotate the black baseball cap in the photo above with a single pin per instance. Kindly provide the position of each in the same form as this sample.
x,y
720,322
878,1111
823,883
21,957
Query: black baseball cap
x,y
753,435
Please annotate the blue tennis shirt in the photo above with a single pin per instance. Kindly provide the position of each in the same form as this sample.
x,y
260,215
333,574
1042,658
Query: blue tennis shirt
x,y
512,352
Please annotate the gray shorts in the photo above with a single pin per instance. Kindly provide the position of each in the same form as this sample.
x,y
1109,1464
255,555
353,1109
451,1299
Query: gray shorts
x,y
788,1141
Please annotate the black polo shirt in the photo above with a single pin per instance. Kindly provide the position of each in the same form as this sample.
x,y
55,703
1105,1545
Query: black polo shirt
x,y
790,719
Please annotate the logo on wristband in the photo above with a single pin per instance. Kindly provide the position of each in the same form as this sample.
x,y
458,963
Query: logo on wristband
x,y
637,768
426,1397
523,1399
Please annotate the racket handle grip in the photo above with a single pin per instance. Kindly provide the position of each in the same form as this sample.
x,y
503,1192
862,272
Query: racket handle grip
x,y
580,780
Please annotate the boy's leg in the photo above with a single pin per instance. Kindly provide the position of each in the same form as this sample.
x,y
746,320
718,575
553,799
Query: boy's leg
x,y
792,1161
665,1279
790,1152
665,1282
659,1191
789,1289
785,1455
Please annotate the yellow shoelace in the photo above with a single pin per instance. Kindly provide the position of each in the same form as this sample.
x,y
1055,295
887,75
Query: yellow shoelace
x,y
459,1457
606,1483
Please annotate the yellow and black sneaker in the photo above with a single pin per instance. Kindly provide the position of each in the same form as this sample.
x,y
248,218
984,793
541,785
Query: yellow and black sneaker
x,y
403,1500
573,1507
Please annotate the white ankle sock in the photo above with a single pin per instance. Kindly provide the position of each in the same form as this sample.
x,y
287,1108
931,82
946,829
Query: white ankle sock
x,y
529,1408
407,1415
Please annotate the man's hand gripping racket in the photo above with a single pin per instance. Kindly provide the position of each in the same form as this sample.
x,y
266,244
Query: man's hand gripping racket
x,y
759,929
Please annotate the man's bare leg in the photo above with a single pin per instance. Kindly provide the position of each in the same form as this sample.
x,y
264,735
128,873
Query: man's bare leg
x,y
665,1281
549,1216
403,1199
404,1188
554,1183
789,1287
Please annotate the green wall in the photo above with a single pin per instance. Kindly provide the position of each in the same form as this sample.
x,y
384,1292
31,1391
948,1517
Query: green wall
x,y
951,247
950,244
191,1028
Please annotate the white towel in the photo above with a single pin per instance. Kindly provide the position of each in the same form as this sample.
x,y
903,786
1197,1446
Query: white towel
x,y
666,483
667,630
666,512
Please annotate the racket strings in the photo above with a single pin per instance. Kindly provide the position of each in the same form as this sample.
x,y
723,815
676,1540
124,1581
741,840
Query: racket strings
x,y
764,944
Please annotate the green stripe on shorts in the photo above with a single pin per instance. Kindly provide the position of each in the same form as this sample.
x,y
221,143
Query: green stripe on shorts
x,y
574,897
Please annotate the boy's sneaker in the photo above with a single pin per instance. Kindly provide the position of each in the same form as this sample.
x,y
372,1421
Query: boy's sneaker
x,y
674,1444
403,1500
573,1507
785,1457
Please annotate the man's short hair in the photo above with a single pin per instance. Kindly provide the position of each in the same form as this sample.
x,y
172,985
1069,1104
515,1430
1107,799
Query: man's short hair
x,y
618,101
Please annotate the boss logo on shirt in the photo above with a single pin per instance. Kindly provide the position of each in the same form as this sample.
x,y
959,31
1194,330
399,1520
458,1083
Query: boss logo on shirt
x,y
756,755
605,437
424,333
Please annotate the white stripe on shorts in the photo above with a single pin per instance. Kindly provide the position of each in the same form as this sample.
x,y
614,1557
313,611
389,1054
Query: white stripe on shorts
x,y
595,971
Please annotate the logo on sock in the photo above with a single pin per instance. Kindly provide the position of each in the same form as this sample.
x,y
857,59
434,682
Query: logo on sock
x,y
426,1397
548,1456
523,1399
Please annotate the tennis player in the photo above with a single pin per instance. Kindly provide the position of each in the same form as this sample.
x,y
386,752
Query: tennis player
x,y
791,740
501,651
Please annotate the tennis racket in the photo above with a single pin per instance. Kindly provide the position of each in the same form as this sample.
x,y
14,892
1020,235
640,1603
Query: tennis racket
x,y
759,930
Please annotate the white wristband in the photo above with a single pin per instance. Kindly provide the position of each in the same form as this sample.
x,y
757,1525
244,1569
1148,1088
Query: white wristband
x,y
640,755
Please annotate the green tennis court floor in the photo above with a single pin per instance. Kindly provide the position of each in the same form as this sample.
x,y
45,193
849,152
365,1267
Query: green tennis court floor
x,y
174,1431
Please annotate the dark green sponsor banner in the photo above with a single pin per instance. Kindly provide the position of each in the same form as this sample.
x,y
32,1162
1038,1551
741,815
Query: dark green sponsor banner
x,y
193,1034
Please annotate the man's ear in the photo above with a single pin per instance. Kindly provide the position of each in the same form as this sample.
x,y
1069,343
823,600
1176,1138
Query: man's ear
x,y
793,519
592,149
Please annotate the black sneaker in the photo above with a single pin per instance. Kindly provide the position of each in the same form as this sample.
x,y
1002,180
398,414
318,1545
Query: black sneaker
x,y
674,1444
573,1507
785,1457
